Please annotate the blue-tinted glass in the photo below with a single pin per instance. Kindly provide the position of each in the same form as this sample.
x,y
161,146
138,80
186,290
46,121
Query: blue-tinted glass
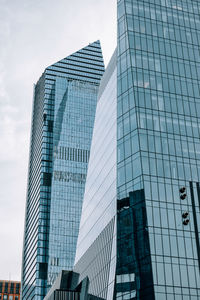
x,y
63,116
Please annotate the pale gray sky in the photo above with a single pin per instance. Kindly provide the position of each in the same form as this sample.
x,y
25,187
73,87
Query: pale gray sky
x,y
33,35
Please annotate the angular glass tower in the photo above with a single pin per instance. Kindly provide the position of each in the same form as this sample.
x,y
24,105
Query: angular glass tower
x,y
62,123
96,246
156,215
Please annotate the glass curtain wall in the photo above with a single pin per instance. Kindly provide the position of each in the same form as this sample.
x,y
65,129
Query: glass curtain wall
x,y
96,247
158,161
62,123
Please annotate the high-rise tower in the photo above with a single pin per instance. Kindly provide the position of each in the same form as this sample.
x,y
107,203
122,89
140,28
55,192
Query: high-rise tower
x,y
158,162
62,123
155,221
96,246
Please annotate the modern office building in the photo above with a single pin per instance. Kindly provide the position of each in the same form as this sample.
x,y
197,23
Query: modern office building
x,y
9,290
64,108
96,246
147,246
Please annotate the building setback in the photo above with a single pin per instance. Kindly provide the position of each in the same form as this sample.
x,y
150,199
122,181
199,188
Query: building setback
x,y
62,123
68,287
147,246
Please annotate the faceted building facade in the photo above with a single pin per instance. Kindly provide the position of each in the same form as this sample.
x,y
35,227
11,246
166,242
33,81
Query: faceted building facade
x,y
62,123
156,214
67,287
96,246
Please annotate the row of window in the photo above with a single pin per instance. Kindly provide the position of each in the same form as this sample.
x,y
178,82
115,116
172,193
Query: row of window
x,y
9,287
161,63
162,123
173,16
170,125
75,63
154,81
69,176
8,297
157,144
77,70
85,54
73,76
162,30
178,275
72,154
163,46
158,101
169,146
157,167
176,6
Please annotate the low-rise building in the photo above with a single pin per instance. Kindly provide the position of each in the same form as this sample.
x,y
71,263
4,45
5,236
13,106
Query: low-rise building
x,y
9,290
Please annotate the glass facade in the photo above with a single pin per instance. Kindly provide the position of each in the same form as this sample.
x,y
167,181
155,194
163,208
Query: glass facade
x,y
64,108
96,247
156,217
158,161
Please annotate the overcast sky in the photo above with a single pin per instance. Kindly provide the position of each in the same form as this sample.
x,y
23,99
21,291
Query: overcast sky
x,y
33,35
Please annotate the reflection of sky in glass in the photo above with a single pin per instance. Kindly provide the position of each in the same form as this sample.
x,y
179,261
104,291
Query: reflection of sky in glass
x,y
96,245
158,136
100,192
72,136
63,117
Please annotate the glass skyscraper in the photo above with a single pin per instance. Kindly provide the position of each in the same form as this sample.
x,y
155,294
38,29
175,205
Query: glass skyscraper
x,y
155,221
96,246
64,108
